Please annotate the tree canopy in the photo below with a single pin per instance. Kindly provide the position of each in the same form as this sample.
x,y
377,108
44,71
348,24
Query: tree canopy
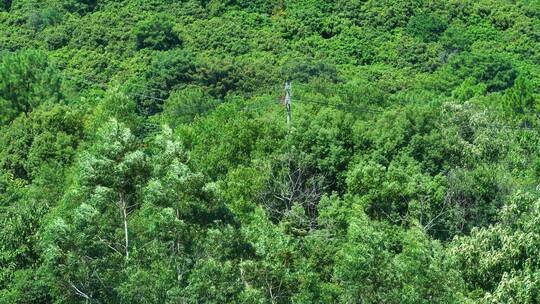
x,y
145,154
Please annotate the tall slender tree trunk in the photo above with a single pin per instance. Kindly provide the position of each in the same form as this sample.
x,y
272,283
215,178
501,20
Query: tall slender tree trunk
x,y
177,245
126,235
124,207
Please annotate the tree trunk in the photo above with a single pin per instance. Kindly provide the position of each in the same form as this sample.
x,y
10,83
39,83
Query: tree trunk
x,y
123,207
126,232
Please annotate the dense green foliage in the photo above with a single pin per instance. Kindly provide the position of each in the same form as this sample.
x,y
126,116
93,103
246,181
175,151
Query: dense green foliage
x,y
145,155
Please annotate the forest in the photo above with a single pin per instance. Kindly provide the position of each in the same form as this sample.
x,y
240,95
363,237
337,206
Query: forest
x,y
145,154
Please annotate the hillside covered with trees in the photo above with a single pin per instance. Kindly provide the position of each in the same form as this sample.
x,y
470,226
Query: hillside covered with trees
x,y
145,155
